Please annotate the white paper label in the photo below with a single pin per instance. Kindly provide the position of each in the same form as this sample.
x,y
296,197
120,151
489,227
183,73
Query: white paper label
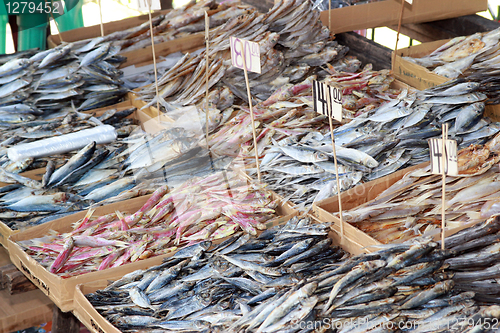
x,y
207,25
142,5
450,164
243,48
327,100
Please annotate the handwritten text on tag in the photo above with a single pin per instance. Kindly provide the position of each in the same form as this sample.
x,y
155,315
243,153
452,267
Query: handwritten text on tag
x,y
327,100
251,52
450,164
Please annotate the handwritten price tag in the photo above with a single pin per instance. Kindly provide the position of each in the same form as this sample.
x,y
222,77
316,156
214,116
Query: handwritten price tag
x,y
251,52
142,5
327,100
450,165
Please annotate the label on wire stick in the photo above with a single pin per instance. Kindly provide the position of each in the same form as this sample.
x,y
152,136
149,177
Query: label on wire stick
x,y
142,5
243,48
450,164
327,100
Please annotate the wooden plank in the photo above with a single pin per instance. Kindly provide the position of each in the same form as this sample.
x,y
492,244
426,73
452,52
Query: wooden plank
x,y
366,50
466,25
4,271
18,283
185,44
423,32
64,322
446,29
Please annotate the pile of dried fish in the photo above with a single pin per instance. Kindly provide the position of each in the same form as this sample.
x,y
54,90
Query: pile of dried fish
x,y
284,56
412,206
201,209
376,143
57,79
55,124
177,23
289,112
473,57
457,55
475,267
97,175
291,279
309,174
361,91
195,290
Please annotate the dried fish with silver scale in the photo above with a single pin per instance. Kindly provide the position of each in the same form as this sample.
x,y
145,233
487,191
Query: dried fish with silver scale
x,y
291,278
402,122
375,143
412,206
176,23
34,86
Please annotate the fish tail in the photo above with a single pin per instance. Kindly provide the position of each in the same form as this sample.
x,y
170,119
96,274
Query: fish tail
x,y
63,256
121,218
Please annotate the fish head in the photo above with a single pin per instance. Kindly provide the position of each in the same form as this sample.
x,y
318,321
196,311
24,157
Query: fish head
x,y
478,107
26,117
320,156
273,38
471,85
205,245
25,62
310,288
372,163
477,97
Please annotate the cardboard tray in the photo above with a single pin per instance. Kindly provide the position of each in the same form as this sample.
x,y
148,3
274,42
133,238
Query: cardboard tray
x,y
387,12
324,210
415,75
90,317
37,174
61,291
150,112
421,78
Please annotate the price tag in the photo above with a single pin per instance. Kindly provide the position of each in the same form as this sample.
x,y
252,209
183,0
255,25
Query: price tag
x,y
142,5
327,100
251,52
451,165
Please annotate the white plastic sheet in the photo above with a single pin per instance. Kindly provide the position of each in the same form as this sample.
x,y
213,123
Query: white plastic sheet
x,y
63,143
